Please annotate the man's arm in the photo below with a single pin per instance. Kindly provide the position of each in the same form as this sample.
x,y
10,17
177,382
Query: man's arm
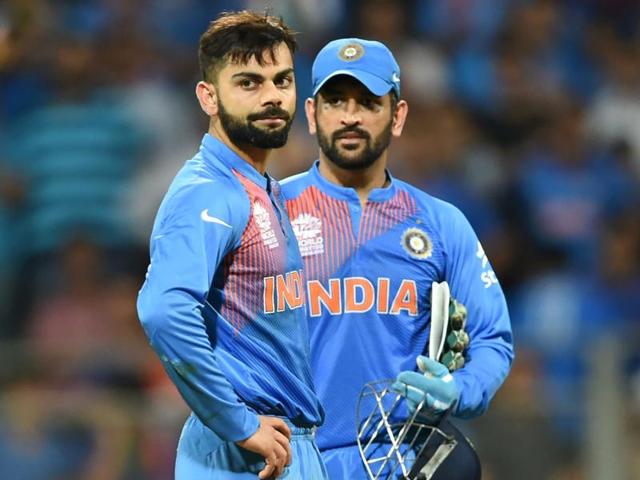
x,y
490,351
489,354
186,250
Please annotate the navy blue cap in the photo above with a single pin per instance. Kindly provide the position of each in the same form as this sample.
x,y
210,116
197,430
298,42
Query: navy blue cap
x,y
368,61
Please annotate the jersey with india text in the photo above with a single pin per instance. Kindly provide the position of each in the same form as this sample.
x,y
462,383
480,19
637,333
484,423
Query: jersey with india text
x,y
368,275
223,301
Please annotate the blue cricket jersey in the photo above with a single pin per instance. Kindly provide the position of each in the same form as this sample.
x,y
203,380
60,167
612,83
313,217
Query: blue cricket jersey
x,y
368,279
223,301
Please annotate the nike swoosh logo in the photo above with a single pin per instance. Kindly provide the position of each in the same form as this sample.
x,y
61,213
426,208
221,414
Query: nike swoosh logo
x,y
208,218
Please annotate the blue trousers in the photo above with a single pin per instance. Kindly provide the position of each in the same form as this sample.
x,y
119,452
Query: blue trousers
x,y
203,455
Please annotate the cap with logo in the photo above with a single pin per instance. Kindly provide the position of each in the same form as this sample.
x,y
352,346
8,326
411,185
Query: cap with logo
x,y
368,61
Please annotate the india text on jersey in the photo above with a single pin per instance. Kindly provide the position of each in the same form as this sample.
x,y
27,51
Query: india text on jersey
x,y
340,295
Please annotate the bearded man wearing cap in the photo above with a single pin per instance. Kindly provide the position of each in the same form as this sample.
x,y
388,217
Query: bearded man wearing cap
x,y
375,251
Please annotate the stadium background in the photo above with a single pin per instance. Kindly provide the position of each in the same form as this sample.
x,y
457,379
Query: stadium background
x,y
525,114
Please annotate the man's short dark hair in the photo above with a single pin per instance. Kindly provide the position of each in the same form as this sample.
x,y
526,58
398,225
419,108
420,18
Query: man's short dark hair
x,y
239,36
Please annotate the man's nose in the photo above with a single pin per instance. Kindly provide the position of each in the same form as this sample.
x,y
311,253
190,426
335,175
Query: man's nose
x,y
271,95
351,114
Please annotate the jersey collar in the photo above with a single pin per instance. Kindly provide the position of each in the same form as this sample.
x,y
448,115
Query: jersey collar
x,y
349,193
215,151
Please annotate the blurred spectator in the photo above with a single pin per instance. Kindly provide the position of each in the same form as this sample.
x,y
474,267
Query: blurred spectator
x,y
534,65
517,427
457,21
11,195
24,83
559,313
85,331
568,187
71,314
47,432
76,155
614,115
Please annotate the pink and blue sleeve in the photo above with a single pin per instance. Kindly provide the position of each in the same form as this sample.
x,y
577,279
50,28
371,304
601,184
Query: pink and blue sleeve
x,y
186,251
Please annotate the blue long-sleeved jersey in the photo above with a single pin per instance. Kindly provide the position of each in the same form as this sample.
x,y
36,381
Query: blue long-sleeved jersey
x,y
223,301
368,279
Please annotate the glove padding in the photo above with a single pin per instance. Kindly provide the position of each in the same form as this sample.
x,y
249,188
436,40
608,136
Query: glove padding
x,y
448,339
457,339
435,385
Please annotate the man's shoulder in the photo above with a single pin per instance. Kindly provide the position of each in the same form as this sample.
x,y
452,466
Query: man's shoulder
x,y
425,200
294,185
197,186
200,177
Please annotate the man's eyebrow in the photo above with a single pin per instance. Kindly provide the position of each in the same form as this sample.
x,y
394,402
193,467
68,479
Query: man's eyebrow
x,y
250,75
260,77
284,73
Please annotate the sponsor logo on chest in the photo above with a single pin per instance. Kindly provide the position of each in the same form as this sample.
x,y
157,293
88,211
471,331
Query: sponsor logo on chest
x,y
263,221
308,231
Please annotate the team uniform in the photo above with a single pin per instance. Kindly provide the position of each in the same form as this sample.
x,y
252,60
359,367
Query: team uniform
x,y
368,279
223,307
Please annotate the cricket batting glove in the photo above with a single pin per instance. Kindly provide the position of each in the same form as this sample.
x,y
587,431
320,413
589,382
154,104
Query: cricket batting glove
x,y
433,387
448,338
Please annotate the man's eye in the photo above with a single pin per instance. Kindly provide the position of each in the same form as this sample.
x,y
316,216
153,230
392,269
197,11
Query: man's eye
x,y
247,83
334,101
369,103
284,82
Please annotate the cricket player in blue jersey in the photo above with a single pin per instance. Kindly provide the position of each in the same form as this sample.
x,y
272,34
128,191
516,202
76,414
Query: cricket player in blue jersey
x,y
372,245
223,301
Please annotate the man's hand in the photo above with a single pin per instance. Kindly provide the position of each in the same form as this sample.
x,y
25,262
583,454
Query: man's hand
x,y
435,385
271,441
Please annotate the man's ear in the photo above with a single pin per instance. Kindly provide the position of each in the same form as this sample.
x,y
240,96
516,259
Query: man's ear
x,y
399,118
208,98
310,111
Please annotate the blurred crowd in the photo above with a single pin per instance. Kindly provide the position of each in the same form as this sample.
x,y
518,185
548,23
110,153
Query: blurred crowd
x,y
523,113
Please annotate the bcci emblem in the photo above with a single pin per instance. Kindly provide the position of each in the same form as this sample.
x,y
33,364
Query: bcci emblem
x,y
417,243
351,52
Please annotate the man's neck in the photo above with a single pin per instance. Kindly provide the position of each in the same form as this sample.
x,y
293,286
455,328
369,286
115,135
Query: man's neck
x,y
258,158
362,181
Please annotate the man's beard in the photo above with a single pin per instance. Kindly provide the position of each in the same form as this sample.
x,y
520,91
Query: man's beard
x,y
372,150
242,132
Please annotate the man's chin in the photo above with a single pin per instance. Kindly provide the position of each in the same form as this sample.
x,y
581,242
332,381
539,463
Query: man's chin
x,y
350,163
352,153
272,139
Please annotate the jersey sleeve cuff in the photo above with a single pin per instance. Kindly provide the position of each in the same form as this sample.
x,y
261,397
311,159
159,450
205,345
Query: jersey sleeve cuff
x,y
470,403
236,424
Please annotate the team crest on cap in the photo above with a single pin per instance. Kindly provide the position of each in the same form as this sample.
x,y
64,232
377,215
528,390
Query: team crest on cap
x,y
417,243
351,52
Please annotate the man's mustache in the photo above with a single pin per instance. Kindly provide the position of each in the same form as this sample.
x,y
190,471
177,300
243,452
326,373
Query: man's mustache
x,y
344,131
270,112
